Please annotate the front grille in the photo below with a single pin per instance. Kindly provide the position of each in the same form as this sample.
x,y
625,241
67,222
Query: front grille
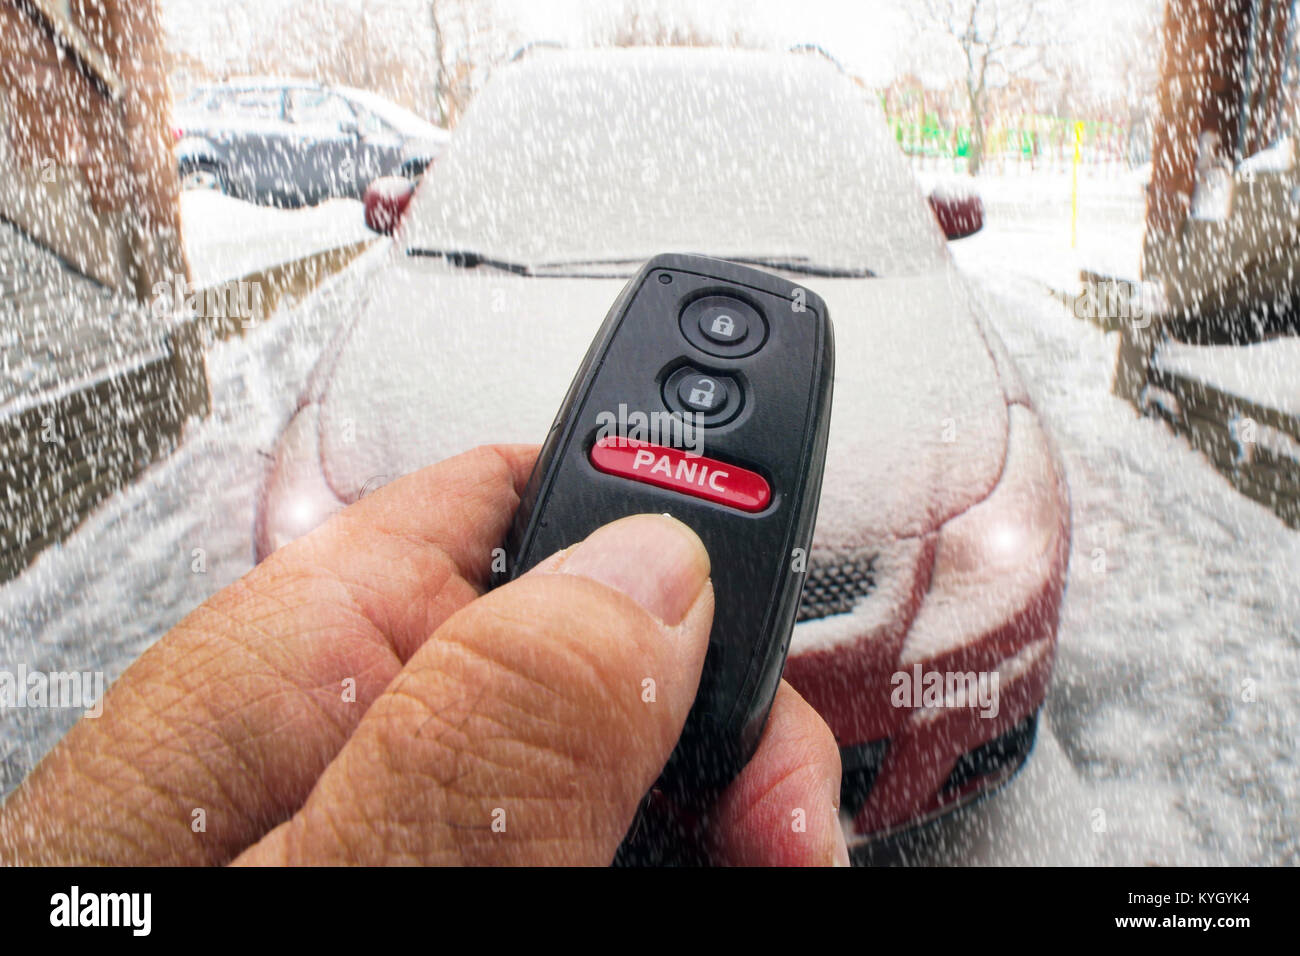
x,y
836,583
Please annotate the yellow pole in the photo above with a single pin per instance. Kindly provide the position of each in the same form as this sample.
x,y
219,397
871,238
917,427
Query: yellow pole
x,y
1074,185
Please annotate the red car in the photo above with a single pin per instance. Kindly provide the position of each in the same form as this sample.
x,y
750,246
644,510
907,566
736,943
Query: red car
x,y
928,626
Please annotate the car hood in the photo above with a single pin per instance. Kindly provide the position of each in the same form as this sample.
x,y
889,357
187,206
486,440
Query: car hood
x,y
442,359
423,147
183,116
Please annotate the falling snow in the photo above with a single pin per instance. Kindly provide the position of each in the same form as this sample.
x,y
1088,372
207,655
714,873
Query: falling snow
x,y
1172,725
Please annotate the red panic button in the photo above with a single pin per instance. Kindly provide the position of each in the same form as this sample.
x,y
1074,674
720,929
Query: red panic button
x,y
675,470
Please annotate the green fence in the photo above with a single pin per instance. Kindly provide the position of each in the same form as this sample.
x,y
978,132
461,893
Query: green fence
x,y
1027,138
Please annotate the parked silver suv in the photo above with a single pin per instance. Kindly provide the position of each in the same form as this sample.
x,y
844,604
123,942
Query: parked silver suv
x,y
292,142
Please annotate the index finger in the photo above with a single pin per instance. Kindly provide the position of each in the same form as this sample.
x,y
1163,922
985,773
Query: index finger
x,y
233,715
783,809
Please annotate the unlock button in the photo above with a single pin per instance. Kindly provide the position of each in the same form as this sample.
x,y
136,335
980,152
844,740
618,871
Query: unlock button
x,y
703,393
712,399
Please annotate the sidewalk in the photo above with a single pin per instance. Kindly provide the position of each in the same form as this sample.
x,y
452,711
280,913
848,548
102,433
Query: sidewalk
x,y
93,388
58,327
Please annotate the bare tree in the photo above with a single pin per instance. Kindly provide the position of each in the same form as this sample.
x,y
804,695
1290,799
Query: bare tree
x,y
638,27
444,87
329,42
1139,64
461,31
997,39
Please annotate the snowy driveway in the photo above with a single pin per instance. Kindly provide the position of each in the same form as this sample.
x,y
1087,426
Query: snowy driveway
x,y
1170,734
1171,729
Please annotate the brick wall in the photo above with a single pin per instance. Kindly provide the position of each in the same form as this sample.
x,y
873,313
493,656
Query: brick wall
x,y
93,386
85,124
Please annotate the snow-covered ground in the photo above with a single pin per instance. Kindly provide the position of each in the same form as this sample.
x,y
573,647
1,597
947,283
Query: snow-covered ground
x,y
1171,731
1173,717
131,571
1028,224
96,601
1267,373
227,238
1170,734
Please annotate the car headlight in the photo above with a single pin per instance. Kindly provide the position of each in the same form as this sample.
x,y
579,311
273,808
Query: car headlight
x,y
295,497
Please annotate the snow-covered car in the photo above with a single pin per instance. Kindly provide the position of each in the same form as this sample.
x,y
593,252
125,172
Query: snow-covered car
x,y
927,631
291,142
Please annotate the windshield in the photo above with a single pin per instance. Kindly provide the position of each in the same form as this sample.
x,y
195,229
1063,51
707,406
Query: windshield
x,y
617,156
395,116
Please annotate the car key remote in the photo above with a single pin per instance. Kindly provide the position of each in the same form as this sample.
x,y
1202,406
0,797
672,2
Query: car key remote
x,y
706,395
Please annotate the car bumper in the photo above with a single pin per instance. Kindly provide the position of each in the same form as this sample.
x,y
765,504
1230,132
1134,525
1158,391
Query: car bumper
x,y
980,597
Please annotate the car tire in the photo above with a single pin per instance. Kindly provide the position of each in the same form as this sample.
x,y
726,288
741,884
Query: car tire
x,y
203,175
413,169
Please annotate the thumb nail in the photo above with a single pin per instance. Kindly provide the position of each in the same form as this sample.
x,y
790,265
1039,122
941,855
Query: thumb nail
x,y
655,560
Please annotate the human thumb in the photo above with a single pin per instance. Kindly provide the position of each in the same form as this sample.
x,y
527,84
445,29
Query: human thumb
x,y
528,728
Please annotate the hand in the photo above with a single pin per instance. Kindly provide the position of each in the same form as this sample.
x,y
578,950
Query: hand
x,y
358,698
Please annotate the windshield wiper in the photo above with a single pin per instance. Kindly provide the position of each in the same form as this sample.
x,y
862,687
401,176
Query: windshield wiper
x,y
801,265
466,259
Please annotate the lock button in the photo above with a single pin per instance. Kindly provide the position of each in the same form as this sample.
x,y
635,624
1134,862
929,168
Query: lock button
x,y
723,325
726,326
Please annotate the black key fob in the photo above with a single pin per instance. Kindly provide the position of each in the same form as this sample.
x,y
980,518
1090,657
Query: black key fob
x,y
707,396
